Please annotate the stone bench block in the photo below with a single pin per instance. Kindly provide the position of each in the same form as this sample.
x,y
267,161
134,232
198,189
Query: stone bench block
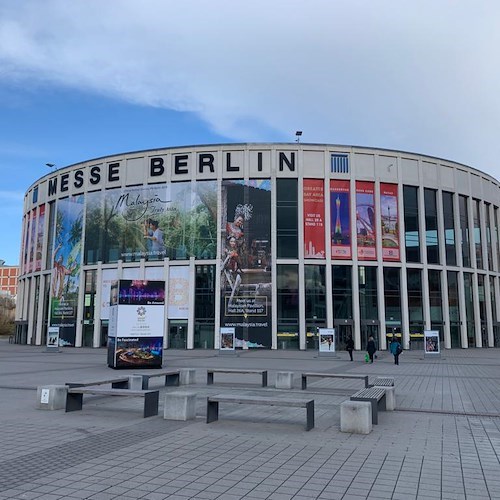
x,y
187,376
284,380
51,397
135,382
390,398
179,406
356,417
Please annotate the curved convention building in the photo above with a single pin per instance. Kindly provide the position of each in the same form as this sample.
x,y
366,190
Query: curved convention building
x,y
263,245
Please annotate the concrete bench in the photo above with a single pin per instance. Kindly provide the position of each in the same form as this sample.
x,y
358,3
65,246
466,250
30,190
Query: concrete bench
x,y
332,375
171,377
356,417
74,399
116,383
213,405
383,382
210,374
179,406
375,396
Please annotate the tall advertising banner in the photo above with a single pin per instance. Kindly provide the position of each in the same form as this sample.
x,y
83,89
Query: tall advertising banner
x,y
246,262
31,258
66,258
176,220
136,324
39,239
365,220
340,219
390,221
314,219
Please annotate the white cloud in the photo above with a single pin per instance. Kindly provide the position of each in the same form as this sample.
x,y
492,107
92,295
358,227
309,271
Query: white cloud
x,y
419,76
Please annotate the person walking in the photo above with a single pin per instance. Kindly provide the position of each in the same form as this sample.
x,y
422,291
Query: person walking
x,y
371,349
349,346
395,349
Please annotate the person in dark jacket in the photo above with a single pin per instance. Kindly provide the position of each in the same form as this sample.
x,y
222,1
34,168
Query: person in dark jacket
x,y
395,348
349,346
371,349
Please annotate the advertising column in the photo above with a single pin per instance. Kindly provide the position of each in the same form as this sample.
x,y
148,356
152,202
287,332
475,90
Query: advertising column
x,y
136,324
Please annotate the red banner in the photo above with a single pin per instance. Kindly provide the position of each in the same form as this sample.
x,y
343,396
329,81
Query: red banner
x,y
314,219
365,220
390,222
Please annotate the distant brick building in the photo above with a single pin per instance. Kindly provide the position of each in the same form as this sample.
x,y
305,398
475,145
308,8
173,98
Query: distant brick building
x,y
8,279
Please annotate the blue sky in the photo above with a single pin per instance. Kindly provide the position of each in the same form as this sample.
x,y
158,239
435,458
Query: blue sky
x,y
88,78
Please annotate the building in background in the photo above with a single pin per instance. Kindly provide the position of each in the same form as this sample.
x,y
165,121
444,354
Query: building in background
x,y
274,241
8,279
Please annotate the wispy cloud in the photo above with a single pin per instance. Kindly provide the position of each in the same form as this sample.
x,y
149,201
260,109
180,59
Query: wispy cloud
x,y
408,75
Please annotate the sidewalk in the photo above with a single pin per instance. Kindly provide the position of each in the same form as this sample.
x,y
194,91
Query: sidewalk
x,y
443,440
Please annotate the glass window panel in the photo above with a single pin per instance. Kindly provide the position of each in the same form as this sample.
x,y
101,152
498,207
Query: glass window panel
x,y
412,236
435,299
342,292
464,229
368,304
392,296
477,233
469,310
287,218
431,226
449,229
315,294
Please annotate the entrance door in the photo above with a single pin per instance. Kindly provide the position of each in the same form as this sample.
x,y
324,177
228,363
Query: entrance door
x,y
369,330
343,330
177,334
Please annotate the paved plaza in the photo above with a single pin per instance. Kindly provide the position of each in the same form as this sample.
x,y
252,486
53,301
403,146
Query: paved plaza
x,y
443,440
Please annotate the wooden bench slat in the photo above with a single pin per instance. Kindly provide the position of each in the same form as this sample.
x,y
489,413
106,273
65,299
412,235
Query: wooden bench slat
x,y
376,396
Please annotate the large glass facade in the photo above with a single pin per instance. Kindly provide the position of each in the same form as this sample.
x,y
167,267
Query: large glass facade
x,y
412,233
431,226
287,218
262,232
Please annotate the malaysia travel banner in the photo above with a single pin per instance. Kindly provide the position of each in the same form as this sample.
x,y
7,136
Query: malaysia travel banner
x,y
66,258
137,319
390,221
365,220
39,238
245,263
27,226
314,216
340,219
177,221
